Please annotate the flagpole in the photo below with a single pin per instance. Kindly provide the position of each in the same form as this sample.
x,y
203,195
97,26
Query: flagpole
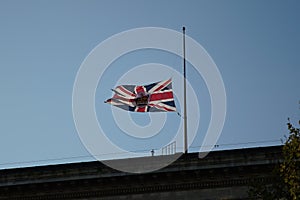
x,y
184,94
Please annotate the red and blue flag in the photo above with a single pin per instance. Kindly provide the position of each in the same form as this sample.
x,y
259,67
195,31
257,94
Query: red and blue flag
x,y
154,97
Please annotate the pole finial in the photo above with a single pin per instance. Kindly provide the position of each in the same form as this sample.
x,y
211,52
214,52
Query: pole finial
x,y
183,28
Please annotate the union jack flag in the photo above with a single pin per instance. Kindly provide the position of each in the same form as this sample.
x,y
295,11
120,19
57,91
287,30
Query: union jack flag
x,y
155,97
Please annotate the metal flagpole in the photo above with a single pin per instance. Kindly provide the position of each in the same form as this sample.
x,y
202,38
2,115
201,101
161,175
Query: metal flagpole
x,y
184,94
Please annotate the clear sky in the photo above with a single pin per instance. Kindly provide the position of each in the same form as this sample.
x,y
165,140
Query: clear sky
x,y
255,45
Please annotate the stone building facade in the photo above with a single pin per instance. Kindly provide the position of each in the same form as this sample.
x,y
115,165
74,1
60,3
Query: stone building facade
x,y
223,175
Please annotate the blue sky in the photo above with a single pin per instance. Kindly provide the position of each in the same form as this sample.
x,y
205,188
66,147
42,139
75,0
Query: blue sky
x,y
255,45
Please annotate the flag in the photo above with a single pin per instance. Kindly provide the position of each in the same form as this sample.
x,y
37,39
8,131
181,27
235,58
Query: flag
x,y
154,97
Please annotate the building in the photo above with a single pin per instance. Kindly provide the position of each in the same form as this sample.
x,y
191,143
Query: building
x,y
223,174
